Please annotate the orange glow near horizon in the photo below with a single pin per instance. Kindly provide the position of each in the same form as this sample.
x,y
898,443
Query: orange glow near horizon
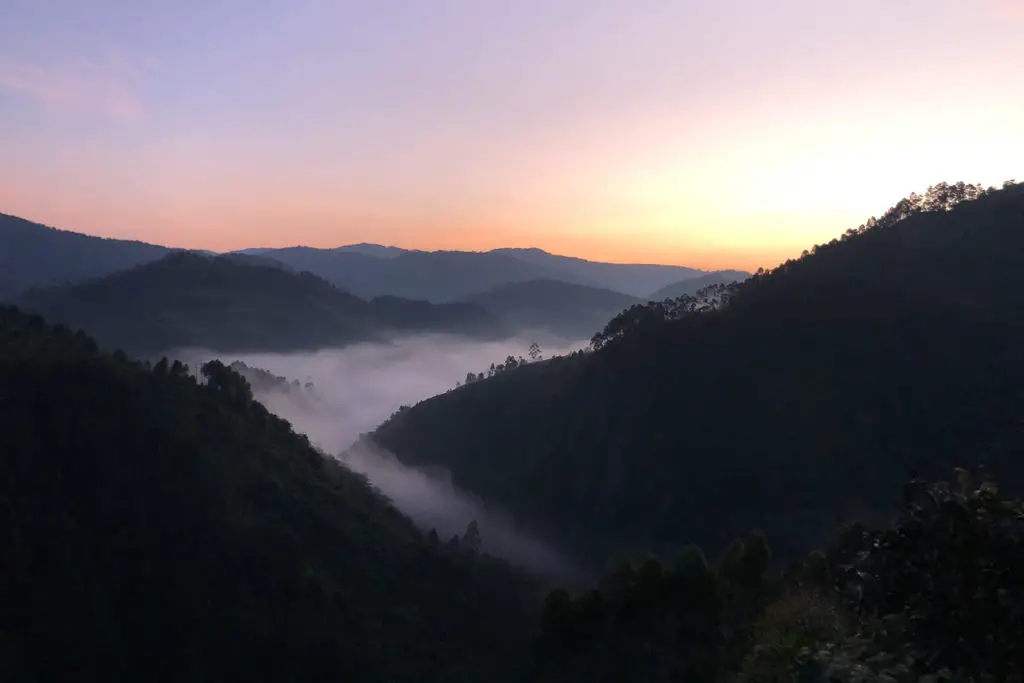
x,y
719,134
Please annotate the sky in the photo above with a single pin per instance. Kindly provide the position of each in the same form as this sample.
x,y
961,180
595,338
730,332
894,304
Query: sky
x,y
707,133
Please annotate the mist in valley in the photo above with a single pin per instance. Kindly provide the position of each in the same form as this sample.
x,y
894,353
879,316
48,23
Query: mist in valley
x,y
337,396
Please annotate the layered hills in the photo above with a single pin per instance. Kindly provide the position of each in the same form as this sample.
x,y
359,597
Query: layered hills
x,y
34,255
227,303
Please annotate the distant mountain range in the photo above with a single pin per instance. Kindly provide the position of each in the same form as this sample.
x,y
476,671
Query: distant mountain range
x,y
34,255
365,248
372,270
510,289
225,303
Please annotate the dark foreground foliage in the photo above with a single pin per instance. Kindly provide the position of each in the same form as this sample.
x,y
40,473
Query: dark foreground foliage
x,y
936,596
682,622
155,527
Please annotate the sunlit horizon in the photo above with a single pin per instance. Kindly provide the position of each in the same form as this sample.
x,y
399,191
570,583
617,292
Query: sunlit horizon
x,y
714,135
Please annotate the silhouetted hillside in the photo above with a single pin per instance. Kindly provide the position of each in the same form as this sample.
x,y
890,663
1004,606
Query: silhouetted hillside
x,y
567,310
161,528
33,255
187,300
693,285
807,399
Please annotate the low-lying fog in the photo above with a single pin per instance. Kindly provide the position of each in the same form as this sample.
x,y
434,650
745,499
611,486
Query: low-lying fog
x,y
355,388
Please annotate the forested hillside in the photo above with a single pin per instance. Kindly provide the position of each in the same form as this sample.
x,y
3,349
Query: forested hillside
x,y
159,528
807,399
222,303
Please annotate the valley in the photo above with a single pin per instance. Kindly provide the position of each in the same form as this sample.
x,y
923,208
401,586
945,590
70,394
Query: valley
x,y
336,397
251,460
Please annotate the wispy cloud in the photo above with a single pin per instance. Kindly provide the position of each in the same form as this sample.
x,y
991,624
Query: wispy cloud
x,y
108,86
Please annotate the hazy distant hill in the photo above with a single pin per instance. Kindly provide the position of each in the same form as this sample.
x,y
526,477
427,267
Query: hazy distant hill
x,y
695,284
818,389
34,255
372,270
434,276
378,250
629,278
227,304
568,310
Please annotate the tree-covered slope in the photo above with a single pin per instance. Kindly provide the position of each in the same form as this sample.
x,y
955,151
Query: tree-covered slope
x,y
223,303
806,399
155,527
34,255
568,310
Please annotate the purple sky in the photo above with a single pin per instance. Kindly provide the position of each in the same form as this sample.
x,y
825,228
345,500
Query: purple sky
x,y
708,133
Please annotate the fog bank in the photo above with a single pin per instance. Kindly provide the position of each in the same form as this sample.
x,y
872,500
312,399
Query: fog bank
x,y
354,389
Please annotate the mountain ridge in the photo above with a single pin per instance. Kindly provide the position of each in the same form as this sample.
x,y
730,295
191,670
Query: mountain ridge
x,y
221,303
35,255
